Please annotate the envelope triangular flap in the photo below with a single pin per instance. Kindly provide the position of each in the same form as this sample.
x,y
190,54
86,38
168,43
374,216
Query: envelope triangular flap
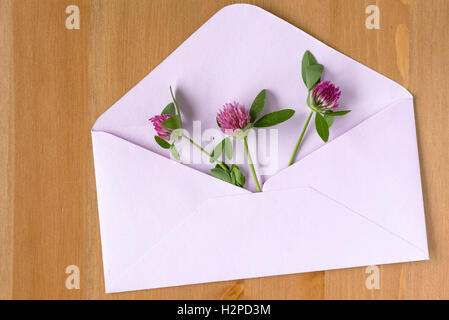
x,y
142,197
278,232
239,51
373,169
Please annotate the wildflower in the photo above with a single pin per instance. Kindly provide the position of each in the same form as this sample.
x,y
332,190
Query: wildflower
x,y
233,118
325,96
162,132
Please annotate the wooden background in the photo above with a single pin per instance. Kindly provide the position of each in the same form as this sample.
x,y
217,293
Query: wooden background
x,y
55,82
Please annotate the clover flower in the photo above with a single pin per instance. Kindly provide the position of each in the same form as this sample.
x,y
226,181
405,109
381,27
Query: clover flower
x,y
162,132
325,96
233,118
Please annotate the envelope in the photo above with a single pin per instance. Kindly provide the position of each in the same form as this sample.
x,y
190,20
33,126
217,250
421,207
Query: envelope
x,y
353,201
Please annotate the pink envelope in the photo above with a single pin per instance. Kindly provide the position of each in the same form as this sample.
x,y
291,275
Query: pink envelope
x,y
353,201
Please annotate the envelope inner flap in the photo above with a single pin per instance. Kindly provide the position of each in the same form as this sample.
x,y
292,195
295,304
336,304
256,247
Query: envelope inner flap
x,y
143,196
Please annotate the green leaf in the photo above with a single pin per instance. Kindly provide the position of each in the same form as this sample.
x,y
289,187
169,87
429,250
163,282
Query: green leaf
x,y
321,127
222,164
307,60
174,152
274,118
217,151
312,75
258,105
218,123
221,174
233,181
172,122
238,175
164,144
337,113
310,104
226,145
169,109
228,148
212,159
329,119
308,100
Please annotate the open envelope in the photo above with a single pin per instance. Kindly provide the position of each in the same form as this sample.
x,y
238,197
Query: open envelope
x,y
354,201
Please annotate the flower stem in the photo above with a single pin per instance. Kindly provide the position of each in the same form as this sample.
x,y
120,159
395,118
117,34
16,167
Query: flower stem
x,y
251,165
176,104
300,139
221,164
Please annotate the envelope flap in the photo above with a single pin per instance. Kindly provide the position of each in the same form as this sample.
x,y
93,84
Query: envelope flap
x,y
248,236
142,196
372,169
236,53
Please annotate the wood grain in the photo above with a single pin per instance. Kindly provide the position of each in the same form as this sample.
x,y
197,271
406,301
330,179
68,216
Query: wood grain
x,y
59,81
51,145
421,67
428,71
6,150
382,50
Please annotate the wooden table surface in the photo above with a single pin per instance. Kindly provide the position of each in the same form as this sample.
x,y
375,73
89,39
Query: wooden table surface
x,y
55,82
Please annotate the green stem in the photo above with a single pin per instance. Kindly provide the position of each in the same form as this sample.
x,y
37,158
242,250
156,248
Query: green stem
x,y
300,139
221,164
251,165
176,104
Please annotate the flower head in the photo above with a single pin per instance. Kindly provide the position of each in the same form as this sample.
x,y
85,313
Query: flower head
x,y
162,132
233,118
325,96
